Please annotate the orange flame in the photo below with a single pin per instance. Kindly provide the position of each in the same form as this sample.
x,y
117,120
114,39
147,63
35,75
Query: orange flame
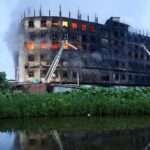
x,y
66,46
30,45
44,45
54,46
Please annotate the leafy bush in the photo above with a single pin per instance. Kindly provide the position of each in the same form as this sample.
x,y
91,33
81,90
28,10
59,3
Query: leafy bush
x,y
100,102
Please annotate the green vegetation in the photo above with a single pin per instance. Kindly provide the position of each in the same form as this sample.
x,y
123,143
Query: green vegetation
x,y
100,102
3,83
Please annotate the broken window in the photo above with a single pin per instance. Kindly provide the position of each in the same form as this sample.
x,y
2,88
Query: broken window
x,y
54,35
104,43
93,39
54,46
31,24
43,23
65,36
74,25
105,78
74,74
32,36
92,48
66,46
74,37
84,27
54,23
123,77
43,45
31,73
31,57
84,38
129,77
92,29
116,76
130,54
84,47
65,74
136,55
116,43
43,57
116,34
43,34
117,63
43,73
30,45
65,24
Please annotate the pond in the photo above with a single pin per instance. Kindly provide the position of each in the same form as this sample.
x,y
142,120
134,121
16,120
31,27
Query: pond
x,y
89,133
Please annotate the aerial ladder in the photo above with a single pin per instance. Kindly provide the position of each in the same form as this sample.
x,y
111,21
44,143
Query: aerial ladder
x,y
55,62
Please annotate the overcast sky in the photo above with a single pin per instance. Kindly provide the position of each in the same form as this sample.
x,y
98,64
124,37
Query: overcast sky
x,y
133,12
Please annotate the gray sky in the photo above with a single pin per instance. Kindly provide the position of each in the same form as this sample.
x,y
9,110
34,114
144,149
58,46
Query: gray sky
x,y
133,12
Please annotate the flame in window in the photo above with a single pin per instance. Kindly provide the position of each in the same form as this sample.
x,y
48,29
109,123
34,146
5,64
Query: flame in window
x,y
30,45
43,45
74,25
65,24
66,46
84,27
54,46
54,23
92,29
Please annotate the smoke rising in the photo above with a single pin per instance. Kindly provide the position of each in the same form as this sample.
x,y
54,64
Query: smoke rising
x,y
137,16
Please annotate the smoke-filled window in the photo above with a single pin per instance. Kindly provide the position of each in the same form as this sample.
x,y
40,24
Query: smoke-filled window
x,y
65,74
31,57
105,78
43,57
54,35
31,73
43,34
32,36
31,24
74,25
93,39
43,73
116,76
84,38
74,37
74,74
104,43
92,29
43,23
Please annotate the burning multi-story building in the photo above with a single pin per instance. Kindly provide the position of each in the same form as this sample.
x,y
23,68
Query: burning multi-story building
x,y
107,54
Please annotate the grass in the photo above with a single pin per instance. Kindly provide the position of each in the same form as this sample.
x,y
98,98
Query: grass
x,y
100,102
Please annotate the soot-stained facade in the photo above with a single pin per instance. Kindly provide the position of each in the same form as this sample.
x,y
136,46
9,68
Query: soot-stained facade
x,y
107,54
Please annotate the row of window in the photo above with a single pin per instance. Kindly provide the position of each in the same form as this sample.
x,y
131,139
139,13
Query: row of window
x,y
65,74
44,45
64,24
130,77
54,36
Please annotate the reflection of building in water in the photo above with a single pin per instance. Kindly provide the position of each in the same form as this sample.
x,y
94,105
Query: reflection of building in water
x,y
28,141
137,139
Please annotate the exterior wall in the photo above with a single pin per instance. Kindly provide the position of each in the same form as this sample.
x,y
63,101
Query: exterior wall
x,y
107,54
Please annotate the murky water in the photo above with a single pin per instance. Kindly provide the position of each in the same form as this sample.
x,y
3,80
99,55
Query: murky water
x,y
76,134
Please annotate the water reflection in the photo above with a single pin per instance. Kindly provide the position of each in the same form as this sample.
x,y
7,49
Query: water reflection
x,y
47,138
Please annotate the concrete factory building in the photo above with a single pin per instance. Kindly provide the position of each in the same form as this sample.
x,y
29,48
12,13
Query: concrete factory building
x,y
107,54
